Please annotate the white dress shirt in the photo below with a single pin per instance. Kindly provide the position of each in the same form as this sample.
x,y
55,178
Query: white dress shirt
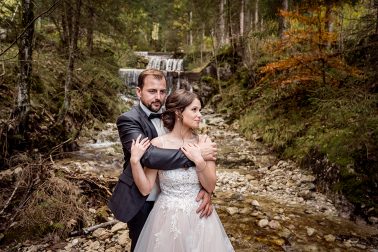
x,y
158,124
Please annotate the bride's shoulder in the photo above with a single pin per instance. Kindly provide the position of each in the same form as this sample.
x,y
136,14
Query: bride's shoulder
x,y
160,141
204,138
157,141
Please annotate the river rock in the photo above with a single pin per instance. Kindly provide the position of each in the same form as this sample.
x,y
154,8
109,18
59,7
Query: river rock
x,y
255,203
310,231
329,238
273,224
119,226
263,223
75,242
232,210
113,249
93,246
244,210
238,197
284,233
124,239
101,233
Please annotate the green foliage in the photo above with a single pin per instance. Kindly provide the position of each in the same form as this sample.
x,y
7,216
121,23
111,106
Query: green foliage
x,y
94,99
237,92
339,123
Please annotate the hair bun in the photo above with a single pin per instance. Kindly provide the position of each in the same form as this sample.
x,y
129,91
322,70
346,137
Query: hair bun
x,y
168,118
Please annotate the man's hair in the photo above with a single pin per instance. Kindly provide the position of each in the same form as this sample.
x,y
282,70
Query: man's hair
x,y
157,74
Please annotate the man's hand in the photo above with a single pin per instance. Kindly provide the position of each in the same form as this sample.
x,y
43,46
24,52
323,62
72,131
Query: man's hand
x,y
208,149
205,209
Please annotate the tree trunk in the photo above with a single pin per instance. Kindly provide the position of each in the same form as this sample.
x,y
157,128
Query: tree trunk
x,y
66,25
341,34
222,23
71,62
257,15
376,20
242,18
190,28
90,29
329,21
25,62
215,54
248,20
282,24
202,42
231,38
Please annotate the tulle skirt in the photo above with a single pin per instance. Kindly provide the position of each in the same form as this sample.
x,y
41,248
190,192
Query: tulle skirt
x,y
174,226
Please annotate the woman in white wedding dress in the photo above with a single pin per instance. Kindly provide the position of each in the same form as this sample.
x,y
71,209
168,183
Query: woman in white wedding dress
x,y
173,224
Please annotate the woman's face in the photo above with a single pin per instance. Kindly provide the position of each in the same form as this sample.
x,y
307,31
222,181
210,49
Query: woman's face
x,y
191,116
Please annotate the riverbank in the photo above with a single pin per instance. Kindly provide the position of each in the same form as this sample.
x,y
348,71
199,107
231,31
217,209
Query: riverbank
x,y
265,204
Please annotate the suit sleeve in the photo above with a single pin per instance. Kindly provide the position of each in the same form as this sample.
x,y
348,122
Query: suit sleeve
x,y
155,158
165,159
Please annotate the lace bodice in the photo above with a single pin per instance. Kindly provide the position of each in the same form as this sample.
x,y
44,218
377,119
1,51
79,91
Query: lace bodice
x,y
179,183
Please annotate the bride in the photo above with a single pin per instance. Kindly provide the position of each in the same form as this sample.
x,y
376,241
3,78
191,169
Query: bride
x,y
173,224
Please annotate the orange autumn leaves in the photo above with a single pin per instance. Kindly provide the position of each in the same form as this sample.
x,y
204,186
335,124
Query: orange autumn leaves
x,y
307,52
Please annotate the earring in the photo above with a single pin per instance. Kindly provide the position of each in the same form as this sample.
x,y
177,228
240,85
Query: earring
x,y
179,116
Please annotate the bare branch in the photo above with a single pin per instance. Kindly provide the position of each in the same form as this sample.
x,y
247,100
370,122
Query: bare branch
x,y
88,230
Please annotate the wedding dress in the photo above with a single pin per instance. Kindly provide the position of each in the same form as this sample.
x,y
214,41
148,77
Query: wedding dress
x,y
173,224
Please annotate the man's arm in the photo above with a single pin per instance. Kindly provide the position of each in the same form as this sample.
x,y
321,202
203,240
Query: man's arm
x,y
165,159
155,158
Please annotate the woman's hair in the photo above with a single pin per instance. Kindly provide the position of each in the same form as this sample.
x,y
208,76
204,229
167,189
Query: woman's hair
x,y
176,104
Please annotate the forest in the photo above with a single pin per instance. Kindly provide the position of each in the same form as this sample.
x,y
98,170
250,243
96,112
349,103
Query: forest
x,y
299,76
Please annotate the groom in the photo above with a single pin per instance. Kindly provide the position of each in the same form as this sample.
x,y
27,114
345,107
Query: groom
x,y
127,203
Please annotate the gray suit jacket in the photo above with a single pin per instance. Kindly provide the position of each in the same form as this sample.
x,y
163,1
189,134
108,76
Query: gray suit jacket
x,y
126,199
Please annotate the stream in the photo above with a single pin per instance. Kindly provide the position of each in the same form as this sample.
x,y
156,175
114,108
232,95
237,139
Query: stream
x,y
265,204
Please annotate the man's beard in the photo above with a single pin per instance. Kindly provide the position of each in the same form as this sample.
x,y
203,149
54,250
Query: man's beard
x,y
149,106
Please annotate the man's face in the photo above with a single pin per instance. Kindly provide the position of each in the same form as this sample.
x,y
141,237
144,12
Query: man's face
x,y
153,93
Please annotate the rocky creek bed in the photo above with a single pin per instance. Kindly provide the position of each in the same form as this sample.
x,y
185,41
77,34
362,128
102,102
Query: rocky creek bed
x,y
265,204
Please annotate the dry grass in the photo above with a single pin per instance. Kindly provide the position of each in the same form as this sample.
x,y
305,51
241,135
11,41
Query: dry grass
x,y
40,203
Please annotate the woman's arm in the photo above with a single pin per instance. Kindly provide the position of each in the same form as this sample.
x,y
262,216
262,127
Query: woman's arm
x,y
205,169
207,175
143,178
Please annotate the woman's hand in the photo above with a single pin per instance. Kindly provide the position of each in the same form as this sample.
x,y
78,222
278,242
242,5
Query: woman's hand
x,y
138,148
208,148
193,152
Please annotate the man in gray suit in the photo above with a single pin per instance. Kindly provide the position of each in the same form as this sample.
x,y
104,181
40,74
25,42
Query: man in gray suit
x,y
127,203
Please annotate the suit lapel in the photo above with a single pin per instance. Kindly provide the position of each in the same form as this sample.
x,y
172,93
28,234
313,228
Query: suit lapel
x,y
152,133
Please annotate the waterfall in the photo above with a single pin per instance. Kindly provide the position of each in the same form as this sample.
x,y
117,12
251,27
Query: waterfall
x,y
170,66
130,76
